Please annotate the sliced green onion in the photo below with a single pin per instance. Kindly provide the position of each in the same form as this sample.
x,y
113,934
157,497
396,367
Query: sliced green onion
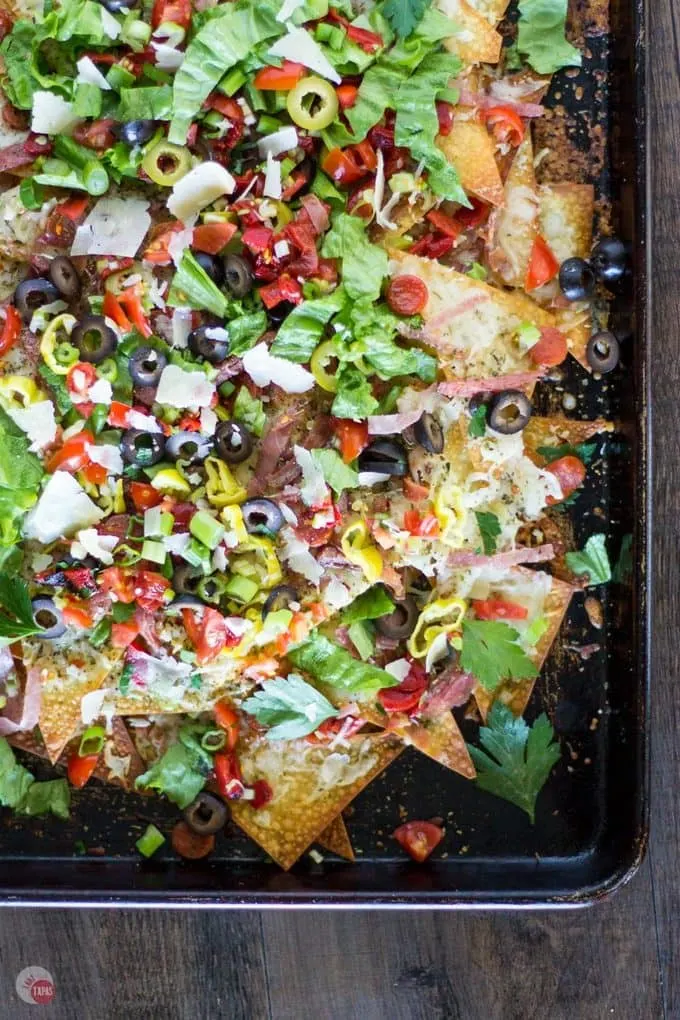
x,y
241,589
118,78
206,529
108,369
150,841
31,194
92,741
154,551
213,740
197,555
66,354
92,173
232,82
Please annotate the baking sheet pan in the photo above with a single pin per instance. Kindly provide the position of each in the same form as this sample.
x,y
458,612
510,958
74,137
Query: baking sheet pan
x,y
592,821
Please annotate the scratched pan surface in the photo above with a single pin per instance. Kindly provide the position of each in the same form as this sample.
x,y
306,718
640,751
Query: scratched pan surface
x,y
592,815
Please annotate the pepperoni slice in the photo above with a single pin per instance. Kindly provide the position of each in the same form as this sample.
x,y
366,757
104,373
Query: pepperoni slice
x,y
407,295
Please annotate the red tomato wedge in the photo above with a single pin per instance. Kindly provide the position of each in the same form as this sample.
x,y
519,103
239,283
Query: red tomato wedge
x,y
347,96
177,11
212,237
505,123
551,349
407,295
353,437
228,775
570,472
77,614
543,266
498,609
79,768
419,838
446,224
73,454
207,633
226,718
10,330
279,79
143,496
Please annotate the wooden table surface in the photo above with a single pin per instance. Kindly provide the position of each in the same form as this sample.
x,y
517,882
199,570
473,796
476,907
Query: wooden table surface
x,y
620,959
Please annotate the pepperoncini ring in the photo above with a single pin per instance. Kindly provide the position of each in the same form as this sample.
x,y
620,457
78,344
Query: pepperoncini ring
x,y
16,392
438,617
56,333
221,488
360,551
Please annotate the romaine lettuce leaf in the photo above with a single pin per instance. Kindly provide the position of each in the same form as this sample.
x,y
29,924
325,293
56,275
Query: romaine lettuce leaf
x,y
51,797
364,265
179,773
192,286
330,663
354,396
540,36
245,330
338,475
250,410
152,102
370,605
302,330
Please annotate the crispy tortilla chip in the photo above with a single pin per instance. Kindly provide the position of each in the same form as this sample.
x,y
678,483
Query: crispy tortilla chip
x,y
492,10
471,149
470,323
335,838
514,227
556,430
311,786
475,41
66,675
516,694
441,740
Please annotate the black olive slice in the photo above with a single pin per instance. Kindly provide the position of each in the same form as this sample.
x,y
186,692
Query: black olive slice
x,y
202,345
509,412
429,433
609,260
30,295
137,132
262,516
146,366
400,623
64,276
238,275
142,448
47,615
386,457
602,352
233,442
190,447
212,266
577,280
279,598
94,339
207,814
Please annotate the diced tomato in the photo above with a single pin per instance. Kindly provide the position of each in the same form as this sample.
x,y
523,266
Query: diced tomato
x,y
445,224
498,609
80,377
226,718
406,696
150,588
551,349
279,79
143,496
258,239
225,105
79,768
212,237
426,526
415,492
207,633
73,454
348,166
347,96
131,303
473,217
283,289
369,42
113,310
177,11
96,134
228,775
6,22
505,123
407,295
263,794
96,474
419,839
76,614
543,266
432,246
118,414
189,844
353,437
157,251
116,581
570,472
123,634
445,117
11,328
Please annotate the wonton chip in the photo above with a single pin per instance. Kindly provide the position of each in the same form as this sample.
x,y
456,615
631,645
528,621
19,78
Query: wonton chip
x,y
515,225
441,740
554,431
470,148
475,41
335,838
493,10
516,693
311,785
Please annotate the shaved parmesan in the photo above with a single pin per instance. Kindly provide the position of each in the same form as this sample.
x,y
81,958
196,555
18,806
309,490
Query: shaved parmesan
x,y
38,422
281,248
89,73
299,46
179,242
91,706
181,326
62,509
101,392
200,187
272,178
116,226
108,456
181,388
51,114
296,554
89,543
167,57
399,669
264,368
145,422
278,142
336,594
313,490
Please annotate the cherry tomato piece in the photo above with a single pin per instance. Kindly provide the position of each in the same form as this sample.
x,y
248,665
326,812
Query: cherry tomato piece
x,y
505,123
353,437
498,609
189,844
79,768
419,838
570,473
543,266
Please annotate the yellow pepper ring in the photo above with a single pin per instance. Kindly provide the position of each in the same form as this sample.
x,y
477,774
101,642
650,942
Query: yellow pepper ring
x,y
18,391
58,331
442,615
356,546
312,104
221,488
322,357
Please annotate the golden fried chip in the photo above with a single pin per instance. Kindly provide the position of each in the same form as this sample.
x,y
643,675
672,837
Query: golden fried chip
x,y
475,40
311,785
441,740
514,226
335,838
556,430
470,148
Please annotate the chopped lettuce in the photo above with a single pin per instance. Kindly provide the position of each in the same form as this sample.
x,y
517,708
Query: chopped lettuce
x,y
20,791
364,265
354,396
370,605
245,330
334,666
250,410
592,560
180,773
20,475
338,475
302,330
152,102
291,708
191,285
362,636
376,328
221,43
540,36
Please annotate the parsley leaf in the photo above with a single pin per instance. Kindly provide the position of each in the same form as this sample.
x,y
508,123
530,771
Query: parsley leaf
x,y
291,708
477,426
489,529
591,560
491,653
584,452
16,611
519,759
404,15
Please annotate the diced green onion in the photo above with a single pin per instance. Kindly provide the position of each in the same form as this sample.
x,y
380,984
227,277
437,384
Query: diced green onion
x,y
31,194
154,551
92,741
101,633
267,125
97,419
206,529
150,841
232,82
135,33
255,98
118,78
93,174
241,589
197,555
108,369
213,740
211,589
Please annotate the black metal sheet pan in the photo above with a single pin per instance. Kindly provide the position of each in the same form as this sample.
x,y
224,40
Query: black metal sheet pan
x,y
591,828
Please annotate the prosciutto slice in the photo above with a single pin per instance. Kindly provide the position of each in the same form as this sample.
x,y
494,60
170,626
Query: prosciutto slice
x,y
513,558
23,711
494,384
391,424
452,688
